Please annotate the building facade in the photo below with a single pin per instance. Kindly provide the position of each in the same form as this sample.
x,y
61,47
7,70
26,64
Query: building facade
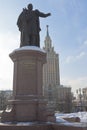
x,y
51,75
80,102
84,90
53,91
64,99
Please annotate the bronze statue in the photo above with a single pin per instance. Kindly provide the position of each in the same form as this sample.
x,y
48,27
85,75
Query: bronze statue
x,y
28,24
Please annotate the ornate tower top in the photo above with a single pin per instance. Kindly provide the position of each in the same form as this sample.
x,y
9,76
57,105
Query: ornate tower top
x,y
47,41
47,31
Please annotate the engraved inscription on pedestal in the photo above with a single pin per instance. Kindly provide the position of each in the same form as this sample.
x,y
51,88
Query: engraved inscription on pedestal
x,y
27,72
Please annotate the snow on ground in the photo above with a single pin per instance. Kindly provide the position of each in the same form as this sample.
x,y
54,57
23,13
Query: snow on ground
x,y
59,119
81,115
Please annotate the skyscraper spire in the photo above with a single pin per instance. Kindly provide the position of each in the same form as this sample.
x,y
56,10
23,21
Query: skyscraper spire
x,y
47,40
47,31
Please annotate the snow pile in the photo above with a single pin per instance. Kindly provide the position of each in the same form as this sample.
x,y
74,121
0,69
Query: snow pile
x,y
82,115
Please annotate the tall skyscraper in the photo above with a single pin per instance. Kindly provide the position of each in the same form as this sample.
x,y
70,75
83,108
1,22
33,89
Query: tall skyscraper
x,y
51,68
51,75
59,96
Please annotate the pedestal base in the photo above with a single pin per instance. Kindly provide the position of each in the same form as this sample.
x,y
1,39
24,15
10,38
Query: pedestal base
x,y
24,126
26,111
28,103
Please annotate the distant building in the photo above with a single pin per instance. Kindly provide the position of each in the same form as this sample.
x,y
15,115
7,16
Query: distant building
x,y
53,91
85,93
84,90
80,102
64,99
51,74
4,97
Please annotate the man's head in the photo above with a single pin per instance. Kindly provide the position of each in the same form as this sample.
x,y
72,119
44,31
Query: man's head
x,y
30,6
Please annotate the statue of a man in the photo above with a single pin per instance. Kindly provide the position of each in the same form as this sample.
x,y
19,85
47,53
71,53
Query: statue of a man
x,y
28,24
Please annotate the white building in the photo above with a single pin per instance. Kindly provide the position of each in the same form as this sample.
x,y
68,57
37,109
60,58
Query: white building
x,y
53,91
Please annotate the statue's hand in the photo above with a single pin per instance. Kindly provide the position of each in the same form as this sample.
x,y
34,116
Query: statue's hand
x,y
49,14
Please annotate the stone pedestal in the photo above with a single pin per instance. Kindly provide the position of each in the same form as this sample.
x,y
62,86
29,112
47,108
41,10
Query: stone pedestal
x,y
28,103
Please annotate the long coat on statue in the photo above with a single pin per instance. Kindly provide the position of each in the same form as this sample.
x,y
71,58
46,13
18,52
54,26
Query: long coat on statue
x,y
29,26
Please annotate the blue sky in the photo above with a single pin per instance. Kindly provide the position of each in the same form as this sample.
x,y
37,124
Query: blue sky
x,y
68,32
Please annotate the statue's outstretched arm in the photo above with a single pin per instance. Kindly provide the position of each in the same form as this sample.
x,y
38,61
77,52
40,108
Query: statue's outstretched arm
x,y
41,14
